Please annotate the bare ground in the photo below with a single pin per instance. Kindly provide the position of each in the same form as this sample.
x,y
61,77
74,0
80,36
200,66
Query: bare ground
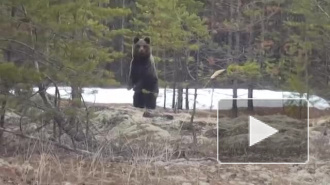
x,y
159,150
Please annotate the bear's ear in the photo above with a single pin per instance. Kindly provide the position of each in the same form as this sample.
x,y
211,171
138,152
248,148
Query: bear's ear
x,y
136,39
147,39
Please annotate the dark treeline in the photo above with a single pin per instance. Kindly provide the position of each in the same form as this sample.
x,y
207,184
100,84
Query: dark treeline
x,y
191,40
287,40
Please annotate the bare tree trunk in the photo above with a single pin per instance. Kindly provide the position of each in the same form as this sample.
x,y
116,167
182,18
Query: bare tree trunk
x,y
194,106
187,97
122,46
56,103
211,107
230,36
165,96
213,19
173,97
180,77
75,88
327,65
300,106
262,36
76,96
2,117
250,49
192,121
306,67
57,93
180,96
164,70
174,84
76,104
250,96
237,48
234,108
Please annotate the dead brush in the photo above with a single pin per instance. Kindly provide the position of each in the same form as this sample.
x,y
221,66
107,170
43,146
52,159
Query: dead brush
x,y
45,164
320,146
42,168
143,154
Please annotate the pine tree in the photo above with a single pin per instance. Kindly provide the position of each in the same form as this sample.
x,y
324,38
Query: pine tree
x,y
61,41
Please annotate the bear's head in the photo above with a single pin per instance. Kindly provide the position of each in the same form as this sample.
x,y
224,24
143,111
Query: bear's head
x,y
141,48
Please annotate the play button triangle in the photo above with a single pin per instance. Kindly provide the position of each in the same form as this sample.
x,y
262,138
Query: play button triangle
x,y
259,131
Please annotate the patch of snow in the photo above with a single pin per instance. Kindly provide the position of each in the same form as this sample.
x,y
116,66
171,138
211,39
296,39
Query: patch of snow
x,y
203,101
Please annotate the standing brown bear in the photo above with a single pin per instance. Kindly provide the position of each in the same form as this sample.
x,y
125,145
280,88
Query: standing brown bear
x,y
143,76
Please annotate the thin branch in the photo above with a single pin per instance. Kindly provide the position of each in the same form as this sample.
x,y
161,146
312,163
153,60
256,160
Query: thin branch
x,y
24,53
189,73
320,7
87,119
48,141
57,93
37,52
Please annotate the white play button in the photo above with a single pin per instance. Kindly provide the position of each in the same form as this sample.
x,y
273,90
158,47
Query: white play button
x,y
259,131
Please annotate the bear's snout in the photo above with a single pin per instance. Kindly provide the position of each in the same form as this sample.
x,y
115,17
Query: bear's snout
x,y
142,50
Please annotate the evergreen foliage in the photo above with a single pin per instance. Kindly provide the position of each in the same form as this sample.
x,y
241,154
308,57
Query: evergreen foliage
x,y
79,43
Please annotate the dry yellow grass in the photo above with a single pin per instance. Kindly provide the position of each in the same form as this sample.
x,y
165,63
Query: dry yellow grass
x,y
31,162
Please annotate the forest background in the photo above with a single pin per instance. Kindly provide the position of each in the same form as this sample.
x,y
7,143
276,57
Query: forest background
x,y
262,44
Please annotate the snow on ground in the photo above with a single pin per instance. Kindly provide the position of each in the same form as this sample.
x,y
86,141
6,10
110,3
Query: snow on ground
x,y
204,97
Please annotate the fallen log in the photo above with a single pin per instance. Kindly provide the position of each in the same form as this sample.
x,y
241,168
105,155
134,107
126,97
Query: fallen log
x,y
149,114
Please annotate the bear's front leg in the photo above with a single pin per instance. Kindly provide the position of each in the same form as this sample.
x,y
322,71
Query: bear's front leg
x,y
131,81
138,86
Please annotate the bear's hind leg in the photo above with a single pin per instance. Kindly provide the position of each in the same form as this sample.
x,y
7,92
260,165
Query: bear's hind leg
x,y
150,100
138,100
